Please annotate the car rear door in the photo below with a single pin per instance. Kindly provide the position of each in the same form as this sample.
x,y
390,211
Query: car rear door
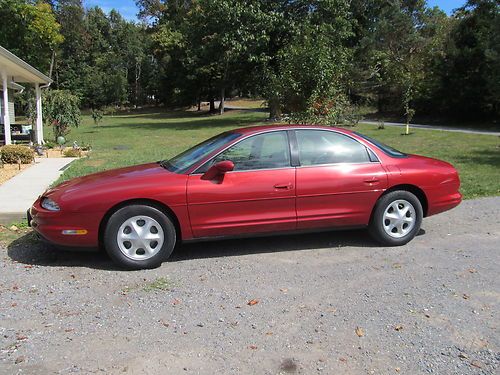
x,y
257,196
338,181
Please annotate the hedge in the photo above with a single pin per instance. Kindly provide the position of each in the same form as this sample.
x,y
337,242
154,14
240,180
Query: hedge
x,y
11,154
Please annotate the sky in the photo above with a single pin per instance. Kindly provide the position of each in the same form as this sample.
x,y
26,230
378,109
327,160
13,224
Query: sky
x,y
128,9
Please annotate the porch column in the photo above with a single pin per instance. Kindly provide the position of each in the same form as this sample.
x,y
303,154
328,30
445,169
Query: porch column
x,y
39,122
6,116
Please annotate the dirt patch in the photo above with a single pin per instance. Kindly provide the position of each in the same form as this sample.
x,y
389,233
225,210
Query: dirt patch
x,y
10,170
59,153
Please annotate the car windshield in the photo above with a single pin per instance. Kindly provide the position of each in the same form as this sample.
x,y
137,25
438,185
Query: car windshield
x,y
186,159
386,149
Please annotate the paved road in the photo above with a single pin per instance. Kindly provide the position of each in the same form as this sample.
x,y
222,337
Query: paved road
x,y
431,306
435,127
19,193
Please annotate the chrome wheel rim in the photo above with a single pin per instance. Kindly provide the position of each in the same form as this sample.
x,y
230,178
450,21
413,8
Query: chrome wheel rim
x,y
140,237
399,218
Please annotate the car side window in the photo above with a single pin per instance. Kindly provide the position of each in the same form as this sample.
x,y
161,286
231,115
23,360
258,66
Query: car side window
x,y
325,147
263,151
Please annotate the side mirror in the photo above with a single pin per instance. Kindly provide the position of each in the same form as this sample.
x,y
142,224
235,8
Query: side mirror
x,y
218,170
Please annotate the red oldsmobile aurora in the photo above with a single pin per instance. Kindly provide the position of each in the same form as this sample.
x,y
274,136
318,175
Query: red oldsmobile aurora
x,y
258,180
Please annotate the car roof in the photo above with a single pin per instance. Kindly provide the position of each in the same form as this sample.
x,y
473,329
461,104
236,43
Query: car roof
x,y
261,128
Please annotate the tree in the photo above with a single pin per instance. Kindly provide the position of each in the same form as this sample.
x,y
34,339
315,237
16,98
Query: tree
x,y
471,69
61,111
30,31
306,59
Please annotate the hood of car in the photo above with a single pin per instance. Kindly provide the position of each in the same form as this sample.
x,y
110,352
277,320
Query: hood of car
x,y
114,178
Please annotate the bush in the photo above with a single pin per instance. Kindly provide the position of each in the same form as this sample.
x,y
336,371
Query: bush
x,y
50,144
62,111
11,154
72,153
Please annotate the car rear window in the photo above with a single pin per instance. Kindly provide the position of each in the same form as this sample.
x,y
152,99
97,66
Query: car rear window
x,y
388,150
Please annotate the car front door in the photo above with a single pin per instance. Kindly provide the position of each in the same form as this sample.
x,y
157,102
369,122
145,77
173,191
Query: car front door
x,y
338,180
257,196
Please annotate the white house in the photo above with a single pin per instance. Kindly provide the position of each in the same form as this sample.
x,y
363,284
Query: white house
x,y
13,73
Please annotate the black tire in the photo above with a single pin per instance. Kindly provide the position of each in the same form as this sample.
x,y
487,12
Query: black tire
x,y
127,213
376,227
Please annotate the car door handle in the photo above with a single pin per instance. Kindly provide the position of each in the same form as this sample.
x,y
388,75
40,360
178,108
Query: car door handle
x,y
283,186
372,180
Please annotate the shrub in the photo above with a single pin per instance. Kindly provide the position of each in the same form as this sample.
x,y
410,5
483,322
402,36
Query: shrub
x,y
50,144
96,116
11,154
61,111
72,153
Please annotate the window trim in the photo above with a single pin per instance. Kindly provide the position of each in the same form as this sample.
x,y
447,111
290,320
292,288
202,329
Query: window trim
x,y
285,131
367,149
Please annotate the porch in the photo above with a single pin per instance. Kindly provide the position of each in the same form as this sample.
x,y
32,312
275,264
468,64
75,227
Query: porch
x,y
13,73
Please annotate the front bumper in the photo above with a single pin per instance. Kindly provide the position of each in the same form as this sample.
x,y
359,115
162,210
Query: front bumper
x,y
50,225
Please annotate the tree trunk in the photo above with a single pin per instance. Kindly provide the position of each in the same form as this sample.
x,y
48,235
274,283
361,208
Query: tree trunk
x,y
199,103
222,99
274,109
212,104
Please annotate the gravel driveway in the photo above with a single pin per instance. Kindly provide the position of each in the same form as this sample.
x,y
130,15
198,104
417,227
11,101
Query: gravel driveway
x,y
330,303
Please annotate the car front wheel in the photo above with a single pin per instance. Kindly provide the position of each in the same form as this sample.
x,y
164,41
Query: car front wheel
x,y
139,236
396,219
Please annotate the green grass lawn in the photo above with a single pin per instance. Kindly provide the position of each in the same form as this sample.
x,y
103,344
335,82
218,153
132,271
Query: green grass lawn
x,y
139,137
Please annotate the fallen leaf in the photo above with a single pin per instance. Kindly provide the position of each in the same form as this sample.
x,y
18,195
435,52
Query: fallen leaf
x,y
21,337
472,270
283,290
463,356
397,369
396,265
253,347
465,296
427,315
398,327
269,333
476,364
13,227
19,359
253,302
28,266
176,301
360,332
342,359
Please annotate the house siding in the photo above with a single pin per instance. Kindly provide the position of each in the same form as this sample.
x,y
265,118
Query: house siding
x,y
12,113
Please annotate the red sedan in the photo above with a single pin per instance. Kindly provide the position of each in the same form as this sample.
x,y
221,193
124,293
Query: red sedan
x,y
266,179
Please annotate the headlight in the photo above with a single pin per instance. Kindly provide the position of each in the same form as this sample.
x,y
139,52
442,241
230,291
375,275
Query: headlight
x,y
50,205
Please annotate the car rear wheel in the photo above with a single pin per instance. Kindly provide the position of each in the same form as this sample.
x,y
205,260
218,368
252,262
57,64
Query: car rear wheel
x,y
396,219
139,236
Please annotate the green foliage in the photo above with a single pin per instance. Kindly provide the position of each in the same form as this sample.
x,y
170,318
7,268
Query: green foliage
x,y
50,144
61,111
96,116
104,59
311,60
13,154
29,30
471,66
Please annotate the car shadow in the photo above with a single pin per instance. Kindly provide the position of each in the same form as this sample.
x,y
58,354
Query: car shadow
x,y
30,251
271,244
